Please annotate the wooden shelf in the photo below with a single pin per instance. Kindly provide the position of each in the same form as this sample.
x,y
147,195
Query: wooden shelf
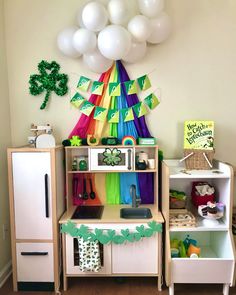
x,y
178,171
112,171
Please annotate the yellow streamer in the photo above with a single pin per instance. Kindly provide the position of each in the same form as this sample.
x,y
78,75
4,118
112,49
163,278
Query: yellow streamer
x,y
105,103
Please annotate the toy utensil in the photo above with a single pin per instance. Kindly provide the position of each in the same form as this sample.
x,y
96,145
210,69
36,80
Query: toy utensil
x,y
85,194
75,187
92,193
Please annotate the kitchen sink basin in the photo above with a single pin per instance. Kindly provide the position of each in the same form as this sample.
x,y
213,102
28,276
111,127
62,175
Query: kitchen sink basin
x,y
135,213
88,212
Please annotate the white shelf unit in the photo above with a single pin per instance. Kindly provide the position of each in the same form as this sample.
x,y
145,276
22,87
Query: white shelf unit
x,y
217,261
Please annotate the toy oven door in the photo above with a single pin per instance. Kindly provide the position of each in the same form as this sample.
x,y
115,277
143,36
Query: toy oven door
x,y
111,159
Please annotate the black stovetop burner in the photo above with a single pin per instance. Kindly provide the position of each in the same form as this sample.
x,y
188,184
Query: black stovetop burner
x,y
88,212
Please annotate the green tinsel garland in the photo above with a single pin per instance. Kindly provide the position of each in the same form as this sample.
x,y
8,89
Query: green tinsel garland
x,y
111,236
48,80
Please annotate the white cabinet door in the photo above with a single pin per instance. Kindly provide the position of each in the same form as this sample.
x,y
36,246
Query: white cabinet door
x,y
136,258
32,195
34,262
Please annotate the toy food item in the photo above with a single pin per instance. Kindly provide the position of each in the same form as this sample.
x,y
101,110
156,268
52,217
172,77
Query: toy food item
x,y
211,208
182,250
193,250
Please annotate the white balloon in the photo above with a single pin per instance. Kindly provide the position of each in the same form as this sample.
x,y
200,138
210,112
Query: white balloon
x,y
79,17
119,11
114,42
136,52
84,41
65,42
151,8
97,62
140,27
94,16
160,27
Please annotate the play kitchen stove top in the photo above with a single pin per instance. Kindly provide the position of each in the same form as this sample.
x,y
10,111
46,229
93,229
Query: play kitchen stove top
x,y
88,212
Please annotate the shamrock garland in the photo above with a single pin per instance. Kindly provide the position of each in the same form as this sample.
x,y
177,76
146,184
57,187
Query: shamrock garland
x,y
48,80
111,236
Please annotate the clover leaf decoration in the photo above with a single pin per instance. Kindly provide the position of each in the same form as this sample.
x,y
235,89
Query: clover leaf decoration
x,y
48,80
75,141
110,235
112,156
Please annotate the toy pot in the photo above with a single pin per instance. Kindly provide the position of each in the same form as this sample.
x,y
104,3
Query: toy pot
x,y
193,250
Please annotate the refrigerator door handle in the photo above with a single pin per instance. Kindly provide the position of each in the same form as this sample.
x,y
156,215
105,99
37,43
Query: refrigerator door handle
x,y
46,195
34,253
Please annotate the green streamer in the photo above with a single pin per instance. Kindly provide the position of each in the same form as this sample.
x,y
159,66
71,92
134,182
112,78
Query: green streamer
x,y
113,179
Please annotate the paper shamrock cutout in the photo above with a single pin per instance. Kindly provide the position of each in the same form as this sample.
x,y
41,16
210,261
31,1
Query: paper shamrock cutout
x,y
110,235
48,80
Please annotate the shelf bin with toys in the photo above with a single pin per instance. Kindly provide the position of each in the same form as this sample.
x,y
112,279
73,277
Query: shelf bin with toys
x,y
211,261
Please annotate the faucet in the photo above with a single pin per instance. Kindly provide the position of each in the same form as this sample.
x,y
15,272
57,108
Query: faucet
x,y
135,199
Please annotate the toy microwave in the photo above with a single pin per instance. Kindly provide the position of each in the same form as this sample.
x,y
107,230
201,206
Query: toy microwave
x,y
112,159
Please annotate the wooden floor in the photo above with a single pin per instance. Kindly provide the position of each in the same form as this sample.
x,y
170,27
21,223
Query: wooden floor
x,y
129,286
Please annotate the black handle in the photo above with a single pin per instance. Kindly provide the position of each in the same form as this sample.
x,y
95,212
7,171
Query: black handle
x,y
129,159
34,253
46,195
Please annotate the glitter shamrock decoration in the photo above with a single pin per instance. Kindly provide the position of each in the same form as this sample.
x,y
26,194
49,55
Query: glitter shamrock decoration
x,y
75,141
48,80
112,156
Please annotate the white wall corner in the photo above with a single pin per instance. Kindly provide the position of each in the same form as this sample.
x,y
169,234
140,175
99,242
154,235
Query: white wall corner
x,y
5,272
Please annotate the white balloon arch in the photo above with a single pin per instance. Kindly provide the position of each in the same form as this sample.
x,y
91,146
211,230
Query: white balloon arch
x,y
115,30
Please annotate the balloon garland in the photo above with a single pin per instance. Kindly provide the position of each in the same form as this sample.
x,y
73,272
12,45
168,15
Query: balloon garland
x,y
120,30
49,80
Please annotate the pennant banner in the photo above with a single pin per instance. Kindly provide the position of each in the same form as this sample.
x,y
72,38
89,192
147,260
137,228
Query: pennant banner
x,y
144,82
113,116
77,100
87,108
127,114
151,101
100,114
131,87
97,87
114,89
83,83
140,109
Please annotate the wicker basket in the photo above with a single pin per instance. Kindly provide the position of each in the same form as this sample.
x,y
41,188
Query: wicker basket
x,y
199,159
177,218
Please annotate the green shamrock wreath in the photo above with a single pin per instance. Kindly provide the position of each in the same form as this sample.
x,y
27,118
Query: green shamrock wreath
x,y
48,80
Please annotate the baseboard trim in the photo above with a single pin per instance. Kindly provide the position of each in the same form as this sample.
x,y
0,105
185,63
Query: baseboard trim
x,y
5,273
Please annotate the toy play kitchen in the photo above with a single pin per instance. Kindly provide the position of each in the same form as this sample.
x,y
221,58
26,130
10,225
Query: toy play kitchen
x,y
123,231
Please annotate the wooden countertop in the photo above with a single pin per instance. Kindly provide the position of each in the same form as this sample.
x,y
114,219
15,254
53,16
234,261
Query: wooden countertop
x,y
111,214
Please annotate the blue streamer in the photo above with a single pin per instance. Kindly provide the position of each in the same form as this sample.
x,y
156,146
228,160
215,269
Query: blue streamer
x,y
124,129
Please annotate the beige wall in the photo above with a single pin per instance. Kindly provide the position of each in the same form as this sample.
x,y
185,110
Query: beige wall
x,y
195,70
5,141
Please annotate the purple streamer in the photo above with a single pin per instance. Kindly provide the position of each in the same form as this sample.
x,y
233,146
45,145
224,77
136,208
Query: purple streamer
x,y
146,180
140,123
